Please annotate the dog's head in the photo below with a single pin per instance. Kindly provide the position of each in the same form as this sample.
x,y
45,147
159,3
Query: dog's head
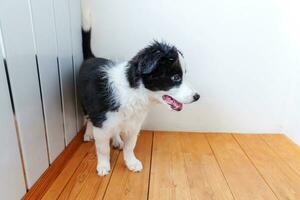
x,y
161,70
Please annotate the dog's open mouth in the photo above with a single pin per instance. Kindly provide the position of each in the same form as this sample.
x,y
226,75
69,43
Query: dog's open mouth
x,y
175,105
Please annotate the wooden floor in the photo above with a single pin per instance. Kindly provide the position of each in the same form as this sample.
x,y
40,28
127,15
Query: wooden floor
x,y
185,166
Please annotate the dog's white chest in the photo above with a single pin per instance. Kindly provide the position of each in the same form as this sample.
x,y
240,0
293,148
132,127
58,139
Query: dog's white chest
x,y
134,106
134,102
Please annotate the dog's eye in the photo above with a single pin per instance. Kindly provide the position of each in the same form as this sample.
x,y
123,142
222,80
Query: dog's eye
x,y
176,78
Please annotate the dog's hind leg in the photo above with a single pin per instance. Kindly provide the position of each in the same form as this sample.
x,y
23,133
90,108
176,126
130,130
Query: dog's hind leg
x,y
88,136
117,142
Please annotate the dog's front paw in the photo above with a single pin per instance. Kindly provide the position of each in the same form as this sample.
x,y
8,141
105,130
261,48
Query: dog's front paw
x,y
134,165
103,168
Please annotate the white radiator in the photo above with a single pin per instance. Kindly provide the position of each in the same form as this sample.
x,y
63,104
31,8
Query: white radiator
x,y
40,43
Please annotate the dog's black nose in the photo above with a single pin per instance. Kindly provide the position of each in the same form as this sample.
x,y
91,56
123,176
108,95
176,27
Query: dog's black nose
x,y
196,97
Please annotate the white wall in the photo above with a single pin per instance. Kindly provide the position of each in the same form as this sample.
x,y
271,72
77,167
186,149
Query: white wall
x,y
291,117
243,57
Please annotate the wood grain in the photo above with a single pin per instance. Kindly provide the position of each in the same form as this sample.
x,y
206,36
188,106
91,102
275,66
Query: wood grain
x,y
183,167
286,149
85,182
46,180
282,179
243,178
61,181
125,184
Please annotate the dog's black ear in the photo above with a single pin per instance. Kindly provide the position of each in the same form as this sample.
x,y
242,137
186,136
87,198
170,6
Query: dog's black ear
x,y
148,59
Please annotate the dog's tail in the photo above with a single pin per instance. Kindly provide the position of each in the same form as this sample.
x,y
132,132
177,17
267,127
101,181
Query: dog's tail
x,y
86,29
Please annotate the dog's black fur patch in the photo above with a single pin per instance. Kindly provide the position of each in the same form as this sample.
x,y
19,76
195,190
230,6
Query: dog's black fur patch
x,y
155,66
86,44
95,91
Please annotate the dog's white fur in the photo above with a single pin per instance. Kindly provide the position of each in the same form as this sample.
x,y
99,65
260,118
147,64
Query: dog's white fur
x,y
86,15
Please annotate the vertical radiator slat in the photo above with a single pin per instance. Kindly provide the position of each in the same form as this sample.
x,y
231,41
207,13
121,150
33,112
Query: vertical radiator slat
x,y
10,162
64,46
46,49
75,17
22,70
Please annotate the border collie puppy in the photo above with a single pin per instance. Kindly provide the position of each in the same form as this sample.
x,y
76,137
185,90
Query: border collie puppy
x,y
117,97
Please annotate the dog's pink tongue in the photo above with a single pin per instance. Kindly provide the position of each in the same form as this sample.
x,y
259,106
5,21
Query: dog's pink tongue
x,y
172,102
168,99
176,105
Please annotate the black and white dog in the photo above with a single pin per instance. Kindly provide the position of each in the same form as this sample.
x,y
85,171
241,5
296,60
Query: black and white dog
x,y
118,96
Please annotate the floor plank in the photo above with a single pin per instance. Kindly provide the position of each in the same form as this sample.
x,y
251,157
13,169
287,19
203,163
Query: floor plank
x,y
282,179
45,181
95,186
243,178
85,183
285,148
125,184
63,178
183,167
